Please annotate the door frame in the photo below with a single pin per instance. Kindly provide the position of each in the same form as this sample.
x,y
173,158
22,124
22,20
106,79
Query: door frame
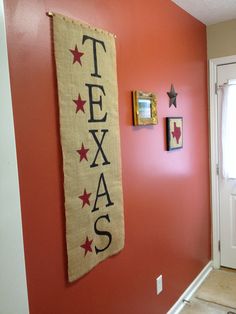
x,y
13,286
214,155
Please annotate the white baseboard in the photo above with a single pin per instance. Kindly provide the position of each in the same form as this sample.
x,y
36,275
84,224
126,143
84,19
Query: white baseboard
x,y
178,306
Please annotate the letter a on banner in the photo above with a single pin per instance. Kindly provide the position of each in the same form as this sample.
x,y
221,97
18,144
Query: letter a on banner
x,y
90,139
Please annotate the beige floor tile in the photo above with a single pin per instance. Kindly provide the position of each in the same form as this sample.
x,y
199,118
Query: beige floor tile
x,y
220,288
201,307
217,295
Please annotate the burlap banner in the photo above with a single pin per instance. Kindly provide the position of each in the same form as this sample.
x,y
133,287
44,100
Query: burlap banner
x,y
90,138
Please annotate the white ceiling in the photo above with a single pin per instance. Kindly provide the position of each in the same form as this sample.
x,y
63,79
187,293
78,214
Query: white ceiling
x,y
209,11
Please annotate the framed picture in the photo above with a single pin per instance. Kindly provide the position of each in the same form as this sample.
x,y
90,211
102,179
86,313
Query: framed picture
x,y
174,132
144,108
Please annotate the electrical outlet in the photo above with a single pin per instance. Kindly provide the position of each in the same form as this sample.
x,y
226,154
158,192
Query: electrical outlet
x,y
159,284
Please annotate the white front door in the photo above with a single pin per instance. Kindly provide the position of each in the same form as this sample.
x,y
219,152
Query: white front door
x,y
227,187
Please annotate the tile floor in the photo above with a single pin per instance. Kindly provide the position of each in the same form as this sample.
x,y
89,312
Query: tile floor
x,y
217,294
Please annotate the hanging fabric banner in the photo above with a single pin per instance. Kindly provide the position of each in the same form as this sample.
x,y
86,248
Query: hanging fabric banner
x,y
90,139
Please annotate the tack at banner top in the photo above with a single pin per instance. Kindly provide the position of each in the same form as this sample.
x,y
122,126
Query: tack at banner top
x,y
90,140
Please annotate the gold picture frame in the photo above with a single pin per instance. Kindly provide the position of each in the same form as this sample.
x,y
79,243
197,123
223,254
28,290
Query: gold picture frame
x,y
144,108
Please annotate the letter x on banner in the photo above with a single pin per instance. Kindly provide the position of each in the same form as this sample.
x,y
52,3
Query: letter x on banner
x,y
90,139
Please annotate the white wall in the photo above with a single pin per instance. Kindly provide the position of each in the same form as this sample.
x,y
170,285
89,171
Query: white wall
x,y
13,289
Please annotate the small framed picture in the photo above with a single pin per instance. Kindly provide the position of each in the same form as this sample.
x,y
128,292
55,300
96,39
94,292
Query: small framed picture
x,y
144,108
174,132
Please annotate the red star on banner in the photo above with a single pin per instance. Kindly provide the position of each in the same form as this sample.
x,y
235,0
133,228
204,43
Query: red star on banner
x,y
77,55
85,198
87,246
83,152
176,133
79,104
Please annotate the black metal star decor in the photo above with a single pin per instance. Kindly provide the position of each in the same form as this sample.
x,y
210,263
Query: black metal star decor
x,y
172,95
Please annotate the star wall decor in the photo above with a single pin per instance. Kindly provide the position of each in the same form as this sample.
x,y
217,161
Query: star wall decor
x,y
172,95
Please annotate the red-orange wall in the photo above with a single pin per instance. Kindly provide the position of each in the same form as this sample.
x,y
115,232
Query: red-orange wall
x,y
166,194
